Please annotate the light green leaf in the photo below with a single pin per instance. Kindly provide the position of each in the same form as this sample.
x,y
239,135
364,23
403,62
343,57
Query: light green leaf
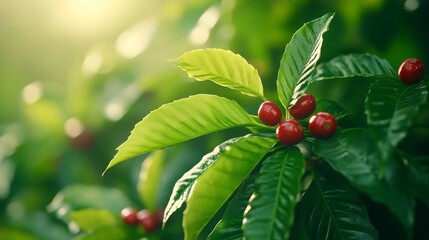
x,y
230,226
224,68
79,196
180,121
150,175
300,58
277,188
329,210
214,187
183,186
90,219
390,108
351,153
355,65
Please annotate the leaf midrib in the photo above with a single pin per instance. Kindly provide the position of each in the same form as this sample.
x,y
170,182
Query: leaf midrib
x,y
328,207
241,86
278,191
394,113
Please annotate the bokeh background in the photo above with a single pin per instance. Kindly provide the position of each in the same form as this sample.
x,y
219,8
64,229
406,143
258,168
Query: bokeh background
x,y
77,75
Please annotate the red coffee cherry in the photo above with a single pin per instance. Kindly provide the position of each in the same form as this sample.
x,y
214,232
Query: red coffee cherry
x,y
269,113
304,107
411,71
148,220
322,125
129,216
290,132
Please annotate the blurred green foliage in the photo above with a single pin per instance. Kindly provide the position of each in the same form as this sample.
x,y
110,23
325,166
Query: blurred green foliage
x,y
76,75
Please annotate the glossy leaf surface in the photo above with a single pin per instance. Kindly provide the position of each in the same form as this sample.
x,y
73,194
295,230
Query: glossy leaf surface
x,y
219,181
355,65
179,121
277,188
230,226
183,186
391,107
329,210
299,60
351,153
224,68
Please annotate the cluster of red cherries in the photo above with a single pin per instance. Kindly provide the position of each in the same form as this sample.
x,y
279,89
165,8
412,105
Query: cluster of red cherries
x,y
148,220
321,125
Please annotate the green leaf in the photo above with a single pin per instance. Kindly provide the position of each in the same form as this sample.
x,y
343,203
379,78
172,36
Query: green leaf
x,y
150,175
300,58
183,186
329,210
78,196
90,219
351,153
419,167
391,107
355,65
277,190
223,67
180,121
229,227
214,187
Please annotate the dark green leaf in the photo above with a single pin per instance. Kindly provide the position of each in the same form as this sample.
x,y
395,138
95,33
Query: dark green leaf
x,y
229,227
277,188
355,65
351,153
180,121
219,181
224,68
419,167
390,108
300,58
329,210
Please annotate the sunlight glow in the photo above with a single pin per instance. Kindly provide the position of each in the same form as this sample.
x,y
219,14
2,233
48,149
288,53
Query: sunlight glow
x,y
73,127
8,143
201,32
92,63
411,5
84,17
116,108
7,172
32,92
133,41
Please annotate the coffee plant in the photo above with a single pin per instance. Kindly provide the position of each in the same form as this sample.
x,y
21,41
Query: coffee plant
x,y
256,187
